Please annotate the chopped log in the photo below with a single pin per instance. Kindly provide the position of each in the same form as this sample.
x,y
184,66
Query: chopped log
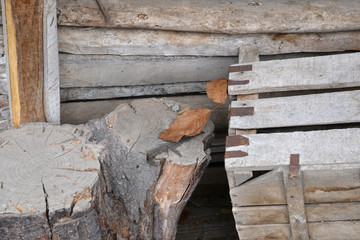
x,y
32,60
170,43
234,17
110,179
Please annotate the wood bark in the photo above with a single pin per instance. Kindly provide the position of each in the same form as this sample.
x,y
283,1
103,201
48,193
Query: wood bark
x,y
234,17
110,179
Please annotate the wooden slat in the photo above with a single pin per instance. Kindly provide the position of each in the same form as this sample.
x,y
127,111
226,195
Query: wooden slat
x,y
314,212
333,71
170,43
215,16
330,147
315,109
319,231
267,189
331,186
32,60
109,71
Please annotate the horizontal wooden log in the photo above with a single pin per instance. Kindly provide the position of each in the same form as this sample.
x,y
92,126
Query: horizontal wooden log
x,y
82,112
320,231
320,186
106,71
314,213
313,109
170,43
333,71
329,147
215,16
96,93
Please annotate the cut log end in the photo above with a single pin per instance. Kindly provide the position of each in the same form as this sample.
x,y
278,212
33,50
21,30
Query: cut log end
x,y
110,178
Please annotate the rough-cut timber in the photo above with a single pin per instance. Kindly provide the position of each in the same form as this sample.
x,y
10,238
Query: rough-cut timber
x,y
171,43
330,147
4,112
215,16
314,109
110,179
333,71
31,47
110,71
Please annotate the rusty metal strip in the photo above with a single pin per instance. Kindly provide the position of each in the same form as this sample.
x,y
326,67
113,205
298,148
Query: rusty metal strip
x,y
241,111
294,166
235,154
295,199
238,140
241,68
234,83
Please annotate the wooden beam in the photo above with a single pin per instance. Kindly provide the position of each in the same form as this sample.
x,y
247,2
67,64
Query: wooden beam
x,y
170,43
234,17
31,46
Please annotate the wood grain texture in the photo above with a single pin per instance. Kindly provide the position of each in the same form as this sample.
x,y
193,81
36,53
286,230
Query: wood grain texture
x,y
314,212
110,71
172,43
313,109
216,16
24,21
333,71
332,148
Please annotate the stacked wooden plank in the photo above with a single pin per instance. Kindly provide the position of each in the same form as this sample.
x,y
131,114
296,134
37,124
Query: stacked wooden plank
x,y
4,103
293,158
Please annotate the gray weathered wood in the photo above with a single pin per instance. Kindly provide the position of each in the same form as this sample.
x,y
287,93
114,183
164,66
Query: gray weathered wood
x,y
333,71
320,186
47,174
314,109
102,71
322,231
335,149
51,64
314,212
295,204
4,112
169,43
81,112
215,16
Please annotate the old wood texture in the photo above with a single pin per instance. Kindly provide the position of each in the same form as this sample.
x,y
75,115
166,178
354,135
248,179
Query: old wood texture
x,y
4,112
216,16
333,71
332,148
112,178
31,47
172,43
313,109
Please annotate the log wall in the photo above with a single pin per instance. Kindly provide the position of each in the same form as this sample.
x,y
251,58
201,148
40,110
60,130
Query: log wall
x,y
141,52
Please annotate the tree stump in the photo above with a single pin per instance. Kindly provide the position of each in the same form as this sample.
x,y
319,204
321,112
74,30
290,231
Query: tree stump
x,y
110,179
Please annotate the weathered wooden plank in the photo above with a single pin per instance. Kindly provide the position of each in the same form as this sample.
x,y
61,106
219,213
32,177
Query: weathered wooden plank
x,y
96,93
322,231
215,16
30,28
314,109
170,43
349,230
96,71
314,213
330,148
333,71
267,189
330,186
264,232
81,112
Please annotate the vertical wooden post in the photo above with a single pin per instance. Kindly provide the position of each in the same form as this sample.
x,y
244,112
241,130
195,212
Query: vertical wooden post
x,y
32,60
